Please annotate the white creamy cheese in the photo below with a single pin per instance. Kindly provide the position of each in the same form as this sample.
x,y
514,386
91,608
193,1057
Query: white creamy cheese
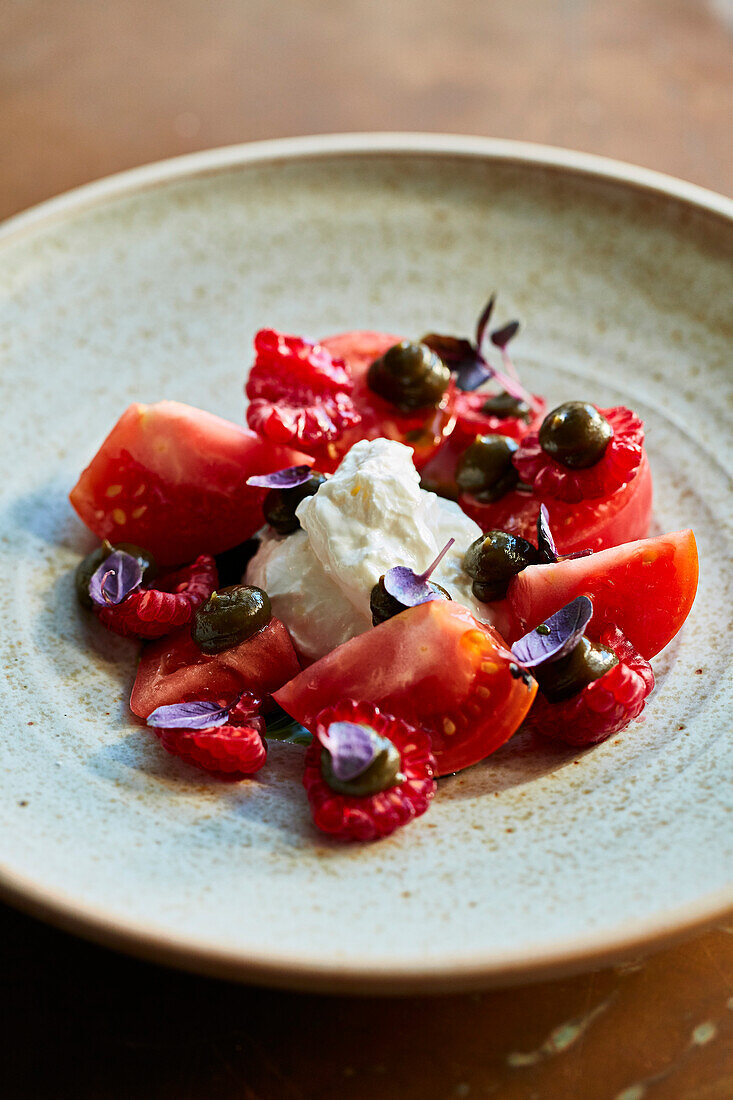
x,y
371,515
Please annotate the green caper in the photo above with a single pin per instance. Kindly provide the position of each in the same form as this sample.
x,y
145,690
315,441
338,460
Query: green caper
x,y
279,505
485,468
566,677
575,435
494,559
383,606
382,773
504,405
89,565
230,616
410,376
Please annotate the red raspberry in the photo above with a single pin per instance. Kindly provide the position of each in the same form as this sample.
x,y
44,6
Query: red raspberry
x,y
299,394
165,606
378,815
605,706
618,466
229,752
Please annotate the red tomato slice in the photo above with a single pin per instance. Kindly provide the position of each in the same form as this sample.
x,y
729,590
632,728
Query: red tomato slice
x,y
174,670
424,430
587,525
434,666
646,588
172,479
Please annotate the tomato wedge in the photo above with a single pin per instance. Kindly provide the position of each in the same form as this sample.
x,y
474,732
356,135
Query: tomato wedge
x,y
423,430
646,588
434,666
172,479
174,670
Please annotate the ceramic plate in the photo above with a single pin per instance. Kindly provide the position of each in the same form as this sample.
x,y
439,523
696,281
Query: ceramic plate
x,y
151,285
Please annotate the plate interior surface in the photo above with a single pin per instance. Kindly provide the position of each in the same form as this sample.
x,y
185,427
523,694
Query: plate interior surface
x,y
624,297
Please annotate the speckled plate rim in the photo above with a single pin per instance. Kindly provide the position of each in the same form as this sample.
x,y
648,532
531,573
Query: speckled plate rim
x,y
451,972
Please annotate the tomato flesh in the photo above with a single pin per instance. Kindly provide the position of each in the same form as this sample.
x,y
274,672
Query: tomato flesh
x,y
424,430
174,670
586,525
646,588
434,666
172,479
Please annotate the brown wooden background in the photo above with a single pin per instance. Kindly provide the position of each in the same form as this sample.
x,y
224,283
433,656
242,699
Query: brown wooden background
x,y
88,88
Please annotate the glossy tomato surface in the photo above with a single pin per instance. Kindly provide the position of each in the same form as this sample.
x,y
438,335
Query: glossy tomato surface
x,y
646,588
424,430
172,479
174,670
434,666
585,525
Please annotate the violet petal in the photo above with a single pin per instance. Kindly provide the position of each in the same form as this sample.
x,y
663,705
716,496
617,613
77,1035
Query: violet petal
x,y
557,636
545,541
412,588
352,748
114,580
288,478
189,716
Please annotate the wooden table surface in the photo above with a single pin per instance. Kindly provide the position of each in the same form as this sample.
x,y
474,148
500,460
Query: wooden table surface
x,y
89,88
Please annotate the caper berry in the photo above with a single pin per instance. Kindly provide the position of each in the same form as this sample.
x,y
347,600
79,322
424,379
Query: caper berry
x,y
566,677
493,559
89,565
230,616
575,435
382,773
504,405
410,376
279,505
485,468
383,606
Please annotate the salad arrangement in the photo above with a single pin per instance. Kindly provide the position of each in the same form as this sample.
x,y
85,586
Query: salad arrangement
x,y
401,559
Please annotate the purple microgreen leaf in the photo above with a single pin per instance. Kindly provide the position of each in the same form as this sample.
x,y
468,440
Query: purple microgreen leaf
x,y
199,715
576,554
545,541
556,637
473,374
453,350
500,337
412,588
114,580
484,320
288,478
352,748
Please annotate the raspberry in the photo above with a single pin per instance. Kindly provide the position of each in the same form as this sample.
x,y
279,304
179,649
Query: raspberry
x,y
165,606
299,394
550,479
377,815
229,752
605,706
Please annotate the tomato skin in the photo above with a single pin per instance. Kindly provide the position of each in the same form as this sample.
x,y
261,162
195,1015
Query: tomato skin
x,y
424,431
172,479
174,670
646,588
435,667
586,525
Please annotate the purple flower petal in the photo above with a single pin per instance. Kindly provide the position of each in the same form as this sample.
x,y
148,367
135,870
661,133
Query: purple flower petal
x,y
189,716
556,637
352,748
288,478
117,576
412,588
545,541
